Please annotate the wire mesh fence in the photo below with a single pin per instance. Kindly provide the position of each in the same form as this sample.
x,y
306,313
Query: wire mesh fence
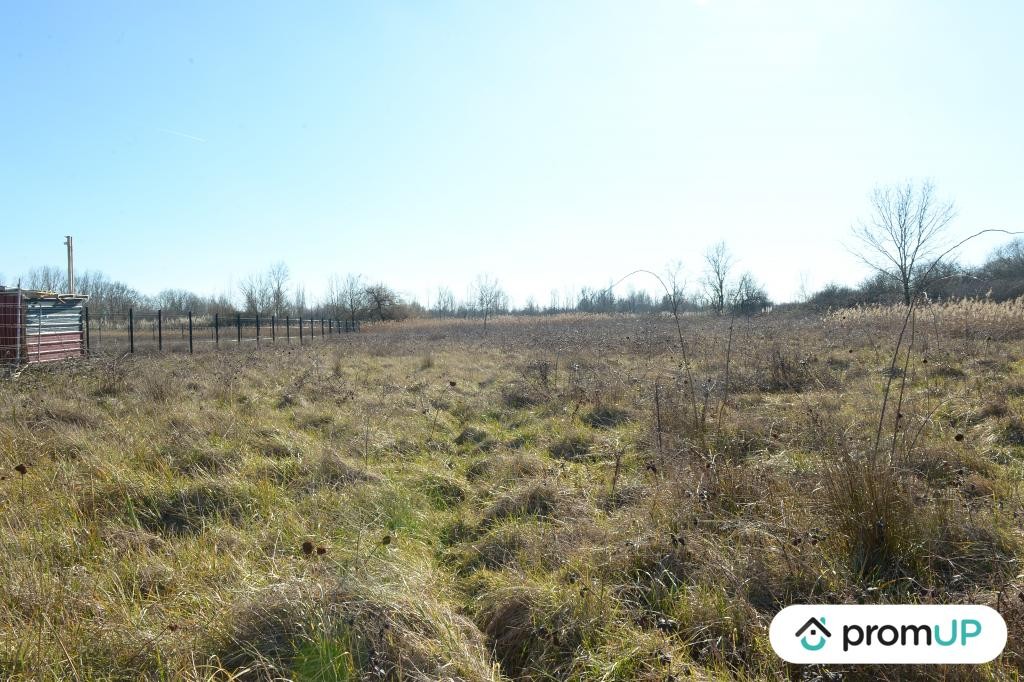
x,y
147,331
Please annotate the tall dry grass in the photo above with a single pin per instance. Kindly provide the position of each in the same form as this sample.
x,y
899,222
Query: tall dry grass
x,y
556,499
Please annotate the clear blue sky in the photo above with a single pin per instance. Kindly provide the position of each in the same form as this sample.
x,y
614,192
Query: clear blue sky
x,y
553,144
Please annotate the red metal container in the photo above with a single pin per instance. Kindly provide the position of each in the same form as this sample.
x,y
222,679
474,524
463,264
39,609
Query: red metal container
x,y
40,326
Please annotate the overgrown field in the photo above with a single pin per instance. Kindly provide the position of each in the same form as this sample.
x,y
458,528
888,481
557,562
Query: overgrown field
x,y
553,499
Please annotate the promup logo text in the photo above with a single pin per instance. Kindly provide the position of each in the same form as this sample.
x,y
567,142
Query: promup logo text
x,y
888,634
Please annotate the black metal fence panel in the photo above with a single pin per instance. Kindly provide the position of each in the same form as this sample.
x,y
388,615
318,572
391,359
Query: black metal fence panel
x,y
160,331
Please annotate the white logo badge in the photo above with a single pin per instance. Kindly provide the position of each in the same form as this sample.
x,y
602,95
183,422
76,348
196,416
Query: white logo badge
x,y
887,634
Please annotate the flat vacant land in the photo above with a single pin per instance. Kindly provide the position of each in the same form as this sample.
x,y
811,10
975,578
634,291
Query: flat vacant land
x,y
568,498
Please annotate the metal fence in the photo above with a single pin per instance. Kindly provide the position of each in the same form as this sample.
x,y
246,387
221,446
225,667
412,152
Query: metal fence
x,y
143,331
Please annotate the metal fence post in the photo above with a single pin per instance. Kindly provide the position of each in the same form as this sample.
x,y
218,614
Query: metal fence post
x,y
321,327
19,321
288,329
216,329
273,329
190,331
300,330
238,324
257,330
131,331
88,345
160,330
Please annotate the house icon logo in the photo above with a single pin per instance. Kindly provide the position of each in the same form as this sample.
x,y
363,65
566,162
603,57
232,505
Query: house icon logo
x,y
815,628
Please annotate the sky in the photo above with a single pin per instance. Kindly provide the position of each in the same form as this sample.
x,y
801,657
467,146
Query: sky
x,y
551,144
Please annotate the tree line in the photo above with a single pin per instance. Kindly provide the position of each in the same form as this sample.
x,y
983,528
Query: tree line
x,y
903,240
353,297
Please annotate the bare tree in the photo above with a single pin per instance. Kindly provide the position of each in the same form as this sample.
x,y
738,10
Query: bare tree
x,y
1005,262
555,303
108,296
803,290
717,269
383,302
748,297
488,298
333,301
903,233
256,294
177,301
220,303
299,300
445,305
675,287
277,281
353,297
45,278
266,292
